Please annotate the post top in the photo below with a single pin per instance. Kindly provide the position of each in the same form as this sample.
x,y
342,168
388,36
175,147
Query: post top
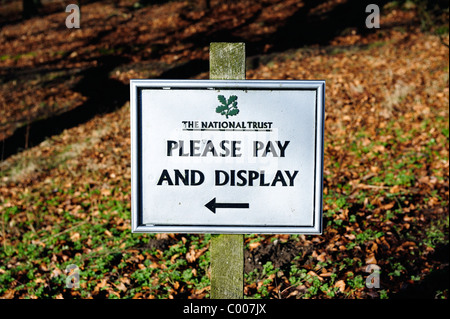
x,y
227,61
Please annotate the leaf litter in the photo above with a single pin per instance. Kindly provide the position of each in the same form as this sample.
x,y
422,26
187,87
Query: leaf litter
x,y
66,200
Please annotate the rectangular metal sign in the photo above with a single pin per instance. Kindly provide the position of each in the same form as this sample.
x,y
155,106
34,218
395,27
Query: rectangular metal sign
x,y
227,156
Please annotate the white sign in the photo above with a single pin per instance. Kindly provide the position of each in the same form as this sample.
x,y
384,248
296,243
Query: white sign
x,y
227,156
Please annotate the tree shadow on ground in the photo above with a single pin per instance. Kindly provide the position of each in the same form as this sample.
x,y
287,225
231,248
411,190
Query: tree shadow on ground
x,y
434,283
103,93
308,25
16,14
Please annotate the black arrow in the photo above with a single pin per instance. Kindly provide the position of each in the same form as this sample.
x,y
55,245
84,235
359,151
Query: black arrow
x,y
212,205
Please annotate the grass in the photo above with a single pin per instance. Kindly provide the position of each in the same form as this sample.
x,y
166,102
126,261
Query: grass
x,y
386,184
111,250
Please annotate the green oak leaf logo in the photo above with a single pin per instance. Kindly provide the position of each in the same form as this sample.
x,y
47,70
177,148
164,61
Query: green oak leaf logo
x,y
228,107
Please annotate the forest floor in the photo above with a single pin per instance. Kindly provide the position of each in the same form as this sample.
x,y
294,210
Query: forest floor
x,y
65,149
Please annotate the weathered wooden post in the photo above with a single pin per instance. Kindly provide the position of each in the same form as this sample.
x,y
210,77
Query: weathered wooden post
x,y
227,62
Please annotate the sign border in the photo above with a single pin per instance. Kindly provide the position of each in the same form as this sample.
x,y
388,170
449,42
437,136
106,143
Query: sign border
x,y
137,85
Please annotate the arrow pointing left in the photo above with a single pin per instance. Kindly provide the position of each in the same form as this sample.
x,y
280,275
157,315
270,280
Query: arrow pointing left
x,y
212,205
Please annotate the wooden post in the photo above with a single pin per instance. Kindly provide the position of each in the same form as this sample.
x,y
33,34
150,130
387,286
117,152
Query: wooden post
x,y
227,62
